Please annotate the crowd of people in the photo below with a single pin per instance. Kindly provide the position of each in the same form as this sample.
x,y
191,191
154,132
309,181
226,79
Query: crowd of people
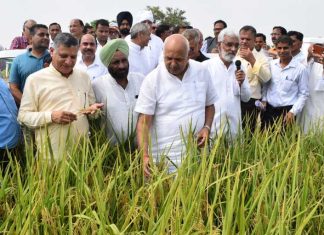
x,y
162,82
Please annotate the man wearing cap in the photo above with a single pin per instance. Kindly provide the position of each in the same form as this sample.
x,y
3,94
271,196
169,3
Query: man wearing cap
x,y
57,100
155,44
118,90
88,61
125,22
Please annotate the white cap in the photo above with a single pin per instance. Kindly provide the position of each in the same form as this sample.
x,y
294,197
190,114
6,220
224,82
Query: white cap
x,y
145,15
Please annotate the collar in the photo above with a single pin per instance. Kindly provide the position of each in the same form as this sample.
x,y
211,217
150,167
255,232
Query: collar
x,y
58,73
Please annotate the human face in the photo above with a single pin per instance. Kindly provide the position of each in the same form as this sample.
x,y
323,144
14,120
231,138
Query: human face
x,y
76,29
295,48
284,51
218,28
91,31
176,60
27,27
64,58
40,41
124,27
102,33
113,33
193,50
259,43
145,38
88,45
276,33
247,39
119,66
228,48
54,30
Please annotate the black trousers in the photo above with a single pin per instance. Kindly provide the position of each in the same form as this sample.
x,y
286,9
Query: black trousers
x,y
249,115
272,114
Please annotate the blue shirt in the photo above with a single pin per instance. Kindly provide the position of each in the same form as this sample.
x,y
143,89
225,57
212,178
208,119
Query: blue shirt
x,y
9,127
24,65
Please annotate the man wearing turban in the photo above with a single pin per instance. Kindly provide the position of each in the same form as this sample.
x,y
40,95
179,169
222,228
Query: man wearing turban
x,y
118,90
125,22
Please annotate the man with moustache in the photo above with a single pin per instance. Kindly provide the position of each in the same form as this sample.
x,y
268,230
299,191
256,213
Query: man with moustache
x,y
285,94
118,90
53,29
57,101
257,73
88,60
230,84
277,32
29,62
125,22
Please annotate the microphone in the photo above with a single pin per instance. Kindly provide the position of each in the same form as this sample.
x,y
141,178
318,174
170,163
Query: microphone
x,y
238,65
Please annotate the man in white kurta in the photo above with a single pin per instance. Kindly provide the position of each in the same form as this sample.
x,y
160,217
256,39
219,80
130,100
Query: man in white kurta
x,y
175,100
118,90
56,100
312,117
231,86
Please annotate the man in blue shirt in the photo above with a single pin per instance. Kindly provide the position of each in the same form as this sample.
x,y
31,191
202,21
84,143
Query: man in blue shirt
x,y
9,127
29,62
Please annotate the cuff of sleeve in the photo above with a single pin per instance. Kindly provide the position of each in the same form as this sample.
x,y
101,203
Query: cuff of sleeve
x,y
293,111
48,117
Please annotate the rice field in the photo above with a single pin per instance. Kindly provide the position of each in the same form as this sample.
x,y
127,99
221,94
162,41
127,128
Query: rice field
x,y
270,183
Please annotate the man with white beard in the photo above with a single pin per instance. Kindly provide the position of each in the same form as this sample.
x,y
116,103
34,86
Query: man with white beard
x,y
230,85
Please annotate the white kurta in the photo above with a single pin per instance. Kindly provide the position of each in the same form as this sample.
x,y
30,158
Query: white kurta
x,y
47,91
95,70
119,105
227,117
178,107
139,59
312,117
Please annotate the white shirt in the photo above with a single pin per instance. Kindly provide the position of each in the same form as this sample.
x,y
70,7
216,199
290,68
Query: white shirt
x,y
312,116
94,70
227,117
155,47
138,59
301,58
288,86
119,105
178,106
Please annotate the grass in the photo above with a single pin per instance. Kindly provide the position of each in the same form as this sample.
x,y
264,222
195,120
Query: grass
x,y
271,183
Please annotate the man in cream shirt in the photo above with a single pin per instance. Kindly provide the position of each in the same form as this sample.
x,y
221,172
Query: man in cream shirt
x,y
257,72
57,99
118,90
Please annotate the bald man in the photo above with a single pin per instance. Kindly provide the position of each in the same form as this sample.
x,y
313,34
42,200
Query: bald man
x,y
76,28
88,61
22,42
118,90
176,100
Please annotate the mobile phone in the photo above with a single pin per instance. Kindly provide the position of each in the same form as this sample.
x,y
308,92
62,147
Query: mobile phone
x,y
318,49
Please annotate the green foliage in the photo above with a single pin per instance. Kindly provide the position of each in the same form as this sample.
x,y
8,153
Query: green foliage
x,y
270,183
169,16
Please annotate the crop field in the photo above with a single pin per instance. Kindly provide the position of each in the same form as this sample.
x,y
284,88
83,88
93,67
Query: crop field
x,y
270,183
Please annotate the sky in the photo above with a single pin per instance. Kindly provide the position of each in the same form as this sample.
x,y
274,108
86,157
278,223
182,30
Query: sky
x,y
305,16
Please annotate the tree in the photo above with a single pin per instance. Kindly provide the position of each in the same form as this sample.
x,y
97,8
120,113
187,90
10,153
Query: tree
x,y
170,16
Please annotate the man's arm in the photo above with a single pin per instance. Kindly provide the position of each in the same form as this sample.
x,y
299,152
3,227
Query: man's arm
x,y
203,134
16,93
143,127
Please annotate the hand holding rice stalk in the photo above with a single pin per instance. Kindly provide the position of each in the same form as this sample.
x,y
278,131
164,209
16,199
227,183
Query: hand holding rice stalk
x,y
94,109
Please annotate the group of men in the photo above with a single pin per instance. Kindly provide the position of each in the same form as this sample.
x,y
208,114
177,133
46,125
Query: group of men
x,y
163,89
